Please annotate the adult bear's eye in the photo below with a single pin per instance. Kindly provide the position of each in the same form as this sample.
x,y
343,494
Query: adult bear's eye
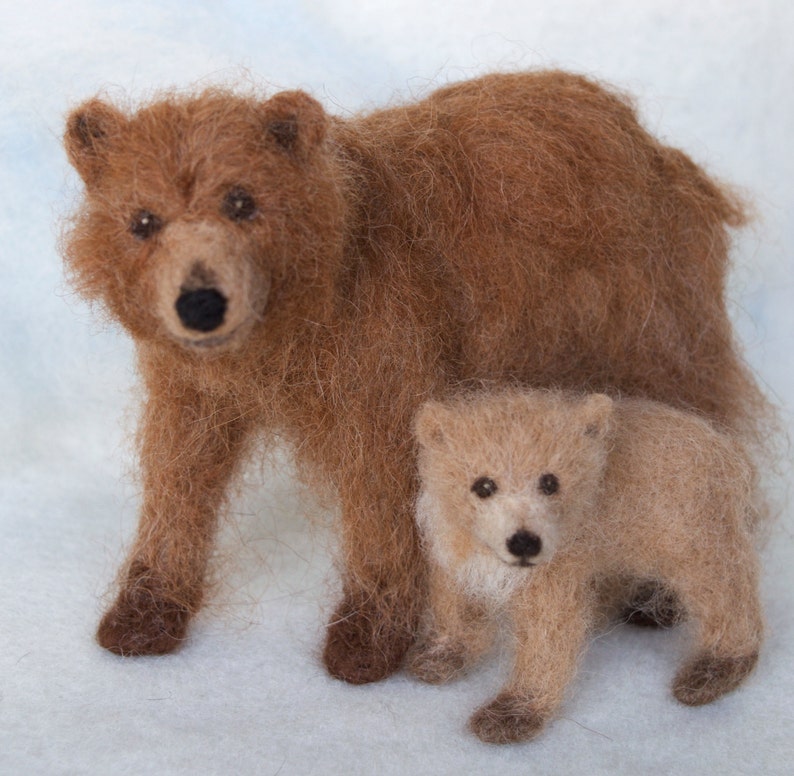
x,y
548,484
144,224
484,487
239,205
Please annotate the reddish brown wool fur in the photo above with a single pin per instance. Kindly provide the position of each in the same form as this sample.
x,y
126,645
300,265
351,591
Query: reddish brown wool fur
x,y
588,500
514,228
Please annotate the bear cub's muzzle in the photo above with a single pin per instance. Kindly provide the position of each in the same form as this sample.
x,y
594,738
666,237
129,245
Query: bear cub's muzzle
x,y
525,546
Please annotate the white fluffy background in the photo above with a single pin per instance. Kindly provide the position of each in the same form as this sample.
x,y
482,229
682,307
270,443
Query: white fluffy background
x,y
247,694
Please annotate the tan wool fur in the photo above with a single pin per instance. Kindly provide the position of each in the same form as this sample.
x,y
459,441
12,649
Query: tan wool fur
x,y
286,272
538,505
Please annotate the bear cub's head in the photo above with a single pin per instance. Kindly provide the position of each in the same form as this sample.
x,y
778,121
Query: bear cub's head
x,y
205,217
509,476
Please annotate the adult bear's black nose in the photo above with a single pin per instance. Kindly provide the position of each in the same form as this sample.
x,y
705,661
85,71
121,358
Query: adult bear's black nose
x,y
524,544
202,309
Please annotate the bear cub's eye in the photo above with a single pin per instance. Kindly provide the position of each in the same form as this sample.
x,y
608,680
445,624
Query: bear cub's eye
x,y
484,487
144,224
239,205
548,484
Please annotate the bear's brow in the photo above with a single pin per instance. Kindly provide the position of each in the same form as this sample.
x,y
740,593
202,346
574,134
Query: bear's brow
x,y
186,182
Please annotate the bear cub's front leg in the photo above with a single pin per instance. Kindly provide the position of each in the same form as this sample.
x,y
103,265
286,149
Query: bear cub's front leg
x,y
551,617
507,719
456,633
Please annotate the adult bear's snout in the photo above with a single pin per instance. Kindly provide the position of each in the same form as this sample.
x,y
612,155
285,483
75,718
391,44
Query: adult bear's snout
x,y
201,309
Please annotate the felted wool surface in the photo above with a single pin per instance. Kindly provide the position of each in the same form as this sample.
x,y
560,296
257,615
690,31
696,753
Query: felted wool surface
x,y
247,693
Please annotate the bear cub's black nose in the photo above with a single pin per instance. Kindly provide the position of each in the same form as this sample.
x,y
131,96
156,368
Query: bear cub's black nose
x,y
524,544
202,309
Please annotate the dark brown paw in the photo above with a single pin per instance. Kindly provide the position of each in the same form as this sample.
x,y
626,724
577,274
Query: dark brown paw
x,y
437,662
507,719
142,621
654,606
363,644
707,678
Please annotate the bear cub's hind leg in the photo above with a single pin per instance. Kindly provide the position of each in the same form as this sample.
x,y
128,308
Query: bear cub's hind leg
x,y
730,628
707,677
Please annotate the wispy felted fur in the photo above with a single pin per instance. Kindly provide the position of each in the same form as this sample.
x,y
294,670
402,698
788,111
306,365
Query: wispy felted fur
x,y
284,271
541,504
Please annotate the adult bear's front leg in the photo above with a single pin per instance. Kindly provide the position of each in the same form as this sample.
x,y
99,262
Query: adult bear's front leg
x,y
384,579
190,446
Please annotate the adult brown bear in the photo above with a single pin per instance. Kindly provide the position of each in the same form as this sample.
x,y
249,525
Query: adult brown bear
x,y
285,271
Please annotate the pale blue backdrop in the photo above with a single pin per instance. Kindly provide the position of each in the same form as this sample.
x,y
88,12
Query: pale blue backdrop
x,y
247,695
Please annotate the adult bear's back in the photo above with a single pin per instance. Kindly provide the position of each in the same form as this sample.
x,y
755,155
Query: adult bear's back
x,y
568,246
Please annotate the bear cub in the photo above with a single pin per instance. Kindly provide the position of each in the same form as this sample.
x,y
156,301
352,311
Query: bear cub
x,y
541,505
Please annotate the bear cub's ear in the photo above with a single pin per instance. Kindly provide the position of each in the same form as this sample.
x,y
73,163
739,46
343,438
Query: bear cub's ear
x,y
296,122
597,411
91,130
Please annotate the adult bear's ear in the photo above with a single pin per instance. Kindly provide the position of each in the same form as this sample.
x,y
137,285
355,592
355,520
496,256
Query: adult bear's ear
x,y
91,131
296,123
429,424
597,411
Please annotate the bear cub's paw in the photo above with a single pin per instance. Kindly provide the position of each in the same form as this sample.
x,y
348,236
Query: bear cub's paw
x,y
438,661
707,677
507,719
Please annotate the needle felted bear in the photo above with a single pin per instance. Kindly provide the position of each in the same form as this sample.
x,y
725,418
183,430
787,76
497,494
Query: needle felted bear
x,y
537,504
285,272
